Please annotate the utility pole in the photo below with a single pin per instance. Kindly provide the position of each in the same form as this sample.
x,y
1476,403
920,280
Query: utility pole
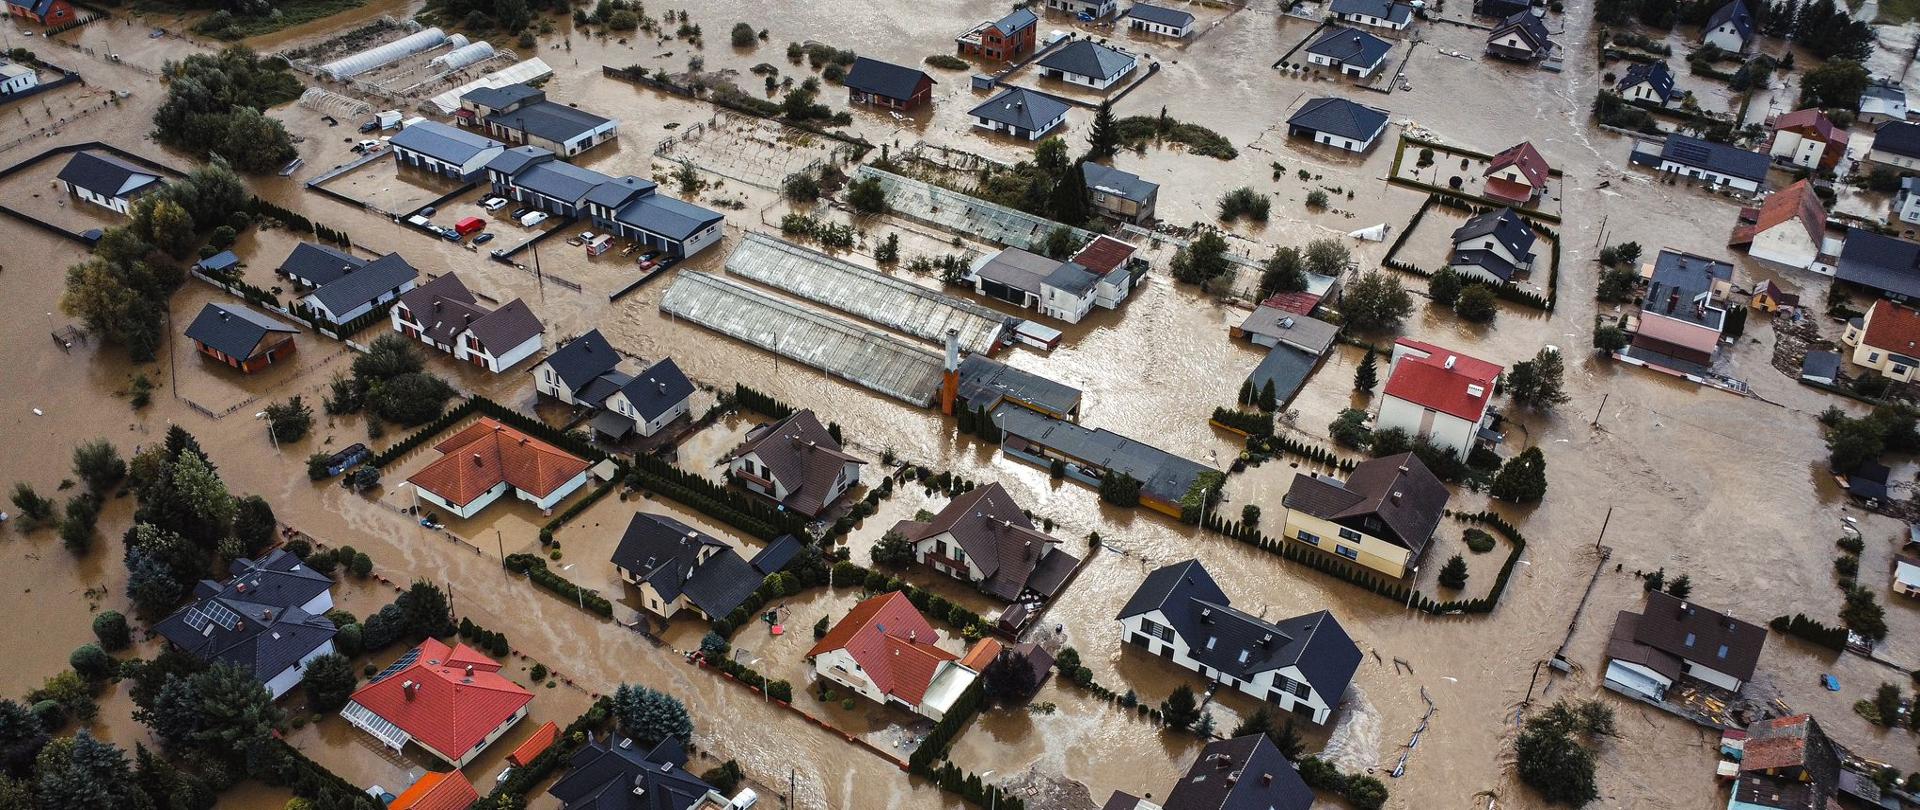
x,y
1603,409
502,543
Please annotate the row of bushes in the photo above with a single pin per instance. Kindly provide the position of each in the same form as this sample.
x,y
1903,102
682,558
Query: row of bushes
x,y
512,791
1799,626
728,506
760,403
1246,423
935,606
299,223
422,436
1500,525
536,570
487,407
552,526
1275,444
777,690
286,767
933,748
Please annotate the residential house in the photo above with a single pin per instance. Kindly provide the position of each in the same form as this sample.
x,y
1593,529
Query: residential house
x,y
1302,665
1093,9
1522,37
311,265
1788,227
1896,145
1058,289
629,207
448,151
240,337
445,315
1493,247
1806,138
1114,262
1438,394
1906,576
269,619
1120,194
1881,102
983,383
522,115
17,78
1339,123
358,291
1680,320
107,181
885,651
451,701
884,84
797,462
1389,14
984,537
534,745
1020,113
1881,265
642,403
566,372
1517,175
1087,63
1731,28
1349,51
1007,39
1647,82
1242,773
1717,164
1906,203
1381,518
1500,9
1674,639
1166,481
604,775
486,460
44,12
1787,764
1886,340
1272,326
1152,19
1769,298
675,568
437,790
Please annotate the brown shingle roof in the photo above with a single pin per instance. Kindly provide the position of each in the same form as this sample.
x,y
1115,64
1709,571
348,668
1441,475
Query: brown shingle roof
x,y
996,535
487,453
803,456
1397,493
1622,646
1706,637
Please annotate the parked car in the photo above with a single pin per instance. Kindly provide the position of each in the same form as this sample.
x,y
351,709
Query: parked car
x,y
533,218
450,234
483,239
522,211
366,146
493,203
370,126
427,211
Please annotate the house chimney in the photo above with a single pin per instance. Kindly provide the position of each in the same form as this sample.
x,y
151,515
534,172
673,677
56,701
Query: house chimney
x,y
1266,779
1450,361
950,382
477,462
1396,496
469,670
408,688
1673,300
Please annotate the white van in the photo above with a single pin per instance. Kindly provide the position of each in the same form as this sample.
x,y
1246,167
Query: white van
x,y
533,218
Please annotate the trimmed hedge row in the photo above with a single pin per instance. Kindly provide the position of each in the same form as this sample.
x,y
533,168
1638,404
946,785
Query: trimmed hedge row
x,y
728,506
286,767
1799,626
536,570
487,407
1500,525
777,690
1243,422
760,403
421,436
511,793
937,607
1313,453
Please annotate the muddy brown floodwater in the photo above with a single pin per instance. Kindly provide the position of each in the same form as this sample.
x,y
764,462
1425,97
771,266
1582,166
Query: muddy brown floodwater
x,y
1727,489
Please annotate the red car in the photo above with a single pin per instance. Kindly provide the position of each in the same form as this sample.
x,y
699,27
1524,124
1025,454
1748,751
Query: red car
x,y
468,226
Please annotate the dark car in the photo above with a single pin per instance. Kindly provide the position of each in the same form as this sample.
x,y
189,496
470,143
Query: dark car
x,y
369,126
483,239
427,211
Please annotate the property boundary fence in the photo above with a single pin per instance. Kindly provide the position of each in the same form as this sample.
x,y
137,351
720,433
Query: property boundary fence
x,y
57,151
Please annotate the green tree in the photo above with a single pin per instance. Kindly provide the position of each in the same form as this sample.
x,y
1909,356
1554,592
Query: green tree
x,y
77,525
743,35
34,508
410,399
84,772
1617,284
1538,383
1103,138
1365,377
329,681
92,663
425,609
1523,479
21,737
1180,710
651,716
1836,84
1863,615
190,500
1284,273
893,550
1071,202
1454,573
289,420
1349,428
121,301
1060,244
867,196
1202,260
165,224
221,711
111,629
1009,678
1327,257
800,187
1476,304
1375,302
98,463
254,524
390,355
1888,702
1609,338
1269,399
1551,754
1444,287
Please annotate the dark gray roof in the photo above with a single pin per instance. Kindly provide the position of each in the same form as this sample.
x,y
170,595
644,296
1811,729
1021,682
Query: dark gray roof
x,y
1701,635
1898,137
1654,74
1717,157
1015,20
447,308
550,120
1163,475
1114,181
625,776
1019,269
1383,9
984,381
1395,498
998,538
619,191
1681,279
1350,46
1527,24
233,330
441,142
318,264
499,98
1735,12
1022,108
669,217
254,620
1084,57
658,389
1304,332
776,555
1287,368
364,285
582,359
560,180
885,78
666,554
1244,773
1880,263
1338,116
1505,225
1823,365
107,175
1487,260
225,260
515,160
596,392
1160,14
1072,278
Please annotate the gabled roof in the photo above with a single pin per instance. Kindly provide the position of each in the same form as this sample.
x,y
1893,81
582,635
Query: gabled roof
x,y
437,790
1703,636
672,218
1027,271
458,696
1235,642
1891,327
624,776
365,284
1623,645
1114,181
234,330
1084,57
1243,773
1794,203
619,191
1159,15
1788,763
444,143
106,175
1505,225
1717,157
1350,46
1735,12
1016,20
500,98
535,744
559,180
996,535
657,390
1444,380
802,455
1898,138
1398,12
1395,498
487,453
318,264
1526,158
582,359
447,308
513,161
1338,116
1880,262
1104,255
1811,122
1021,108
1654,74
550,120
666,553
892,643
254,620
885,78
1528,25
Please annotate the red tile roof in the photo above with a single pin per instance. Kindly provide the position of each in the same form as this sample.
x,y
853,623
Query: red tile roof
x,y
1795,201
437,790
486,453
1893,328
535,745
1811,122
453,708
1524,157
1104,255
1428,382
1509,191
1298,303
1777,743
891,642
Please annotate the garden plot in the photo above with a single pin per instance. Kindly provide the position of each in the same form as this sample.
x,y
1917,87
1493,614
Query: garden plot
x,y
751,150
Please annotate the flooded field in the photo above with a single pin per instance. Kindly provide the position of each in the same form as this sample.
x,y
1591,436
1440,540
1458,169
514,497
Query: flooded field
x,y
1729,490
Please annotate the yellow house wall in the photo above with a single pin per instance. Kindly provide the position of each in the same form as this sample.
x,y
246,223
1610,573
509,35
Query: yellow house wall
x,y
1375,554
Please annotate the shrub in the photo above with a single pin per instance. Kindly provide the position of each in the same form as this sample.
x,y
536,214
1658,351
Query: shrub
x,y
743,35
1478,541
93,663
111,629
1244,202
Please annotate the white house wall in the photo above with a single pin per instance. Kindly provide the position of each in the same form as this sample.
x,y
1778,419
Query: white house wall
x,y
546,381
1445,430
290,677
1786,243
1798,149
1366,19
1157,28
839,667
1726,38
1643,92
1710,176
1262,685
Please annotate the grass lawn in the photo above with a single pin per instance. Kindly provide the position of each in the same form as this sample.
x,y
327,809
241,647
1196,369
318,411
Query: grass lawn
x,y
1898,12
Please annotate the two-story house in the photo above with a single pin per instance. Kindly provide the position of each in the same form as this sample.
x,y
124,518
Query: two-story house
x,y
1649,82
1517,175
1685,310
1007,39
585,372
1243,773
1381,518
1896,145
797,462
1302,665
1063,290
1787,763
1120,194
445,315
886,652
565,373
1493,247
1806,138
1674,639
985,538
1788,227
357,291
1886,340
269,619
1438,394
1731,28
676,567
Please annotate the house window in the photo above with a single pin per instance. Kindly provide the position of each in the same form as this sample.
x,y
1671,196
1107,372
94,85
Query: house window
x,y
1689,641
1899,369
1873,357
1723,651
1348,552
1211,640
1310,538
1156,629
1293,687
1349,535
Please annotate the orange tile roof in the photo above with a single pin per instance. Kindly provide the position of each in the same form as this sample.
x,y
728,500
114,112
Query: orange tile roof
x,y
982,654
452,710
535,745
1797,200
891,642
1894,328
437,790
486,453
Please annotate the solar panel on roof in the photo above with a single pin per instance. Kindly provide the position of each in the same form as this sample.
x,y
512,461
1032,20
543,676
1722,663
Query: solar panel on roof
x,y
406,660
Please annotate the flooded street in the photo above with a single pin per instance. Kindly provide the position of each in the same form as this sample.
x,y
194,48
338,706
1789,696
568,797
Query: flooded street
x,y
1729,490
